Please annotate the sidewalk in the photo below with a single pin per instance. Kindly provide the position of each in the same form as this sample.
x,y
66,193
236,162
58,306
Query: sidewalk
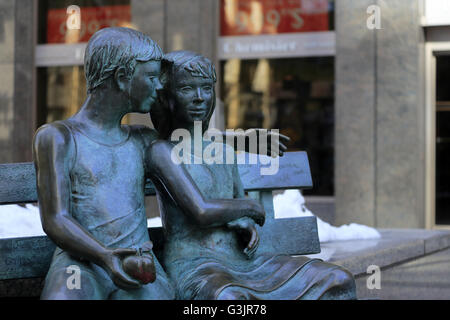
x,y
415,263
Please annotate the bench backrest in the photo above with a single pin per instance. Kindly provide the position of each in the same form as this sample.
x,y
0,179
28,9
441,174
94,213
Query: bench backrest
x,y
18,180
30,256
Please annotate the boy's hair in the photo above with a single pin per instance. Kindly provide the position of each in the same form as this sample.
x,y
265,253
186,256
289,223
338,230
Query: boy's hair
x,y
198,66
110,48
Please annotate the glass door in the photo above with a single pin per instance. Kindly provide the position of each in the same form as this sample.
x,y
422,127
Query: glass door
x,y
442,161
437,119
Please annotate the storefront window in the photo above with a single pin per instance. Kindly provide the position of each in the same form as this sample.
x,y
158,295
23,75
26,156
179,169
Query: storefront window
x,y
295,96
71,21
64,24
249,17
277,72
62,90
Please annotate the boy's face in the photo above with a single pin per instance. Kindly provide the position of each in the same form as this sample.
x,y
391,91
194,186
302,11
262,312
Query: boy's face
x,y
192,96
144,85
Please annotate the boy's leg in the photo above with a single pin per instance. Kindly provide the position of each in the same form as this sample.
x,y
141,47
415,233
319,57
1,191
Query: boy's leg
x,y
70,279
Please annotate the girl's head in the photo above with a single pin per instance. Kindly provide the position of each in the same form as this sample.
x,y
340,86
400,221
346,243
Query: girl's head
x,y
188,95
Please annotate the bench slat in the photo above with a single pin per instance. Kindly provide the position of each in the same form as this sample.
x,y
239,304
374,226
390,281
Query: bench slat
x,y
25,257
294,236
18,180
293,173
17,183
30,257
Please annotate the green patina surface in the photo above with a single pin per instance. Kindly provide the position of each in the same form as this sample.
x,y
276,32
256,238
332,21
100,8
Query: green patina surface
x,y
30,257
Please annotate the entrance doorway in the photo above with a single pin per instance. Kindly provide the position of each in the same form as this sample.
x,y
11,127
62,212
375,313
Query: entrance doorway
x,y
438,135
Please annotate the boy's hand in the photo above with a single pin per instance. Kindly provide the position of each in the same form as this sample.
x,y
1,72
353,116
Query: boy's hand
x,y
112,262
141,266
245,227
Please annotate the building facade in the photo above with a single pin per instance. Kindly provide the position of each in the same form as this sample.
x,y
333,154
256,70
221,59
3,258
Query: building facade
x,y
360,85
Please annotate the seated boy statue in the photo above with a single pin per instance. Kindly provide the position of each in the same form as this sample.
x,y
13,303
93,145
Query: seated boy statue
x,y
90,177
211,238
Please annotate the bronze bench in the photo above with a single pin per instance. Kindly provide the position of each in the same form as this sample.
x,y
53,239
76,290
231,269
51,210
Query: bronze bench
x,y
24,261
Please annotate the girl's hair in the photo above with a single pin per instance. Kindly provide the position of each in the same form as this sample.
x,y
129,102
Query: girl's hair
x,y
199,66
110,48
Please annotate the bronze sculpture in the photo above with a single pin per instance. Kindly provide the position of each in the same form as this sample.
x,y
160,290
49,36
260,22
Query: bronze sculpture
x,y
91,171
209,225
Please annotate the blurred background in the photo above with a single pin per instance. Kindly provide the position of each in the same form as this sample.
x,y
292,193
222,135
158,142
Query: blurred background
x,y
362,86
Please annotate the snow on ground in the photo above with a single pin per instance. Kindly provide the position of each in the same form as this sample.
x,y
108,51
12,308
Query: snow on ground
x,y
292,204
17,221
154,222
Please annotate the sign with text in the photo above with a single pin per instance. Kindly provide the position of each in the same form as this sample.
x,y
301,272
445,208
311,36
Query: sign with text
x,y
250,17
91,20
289,45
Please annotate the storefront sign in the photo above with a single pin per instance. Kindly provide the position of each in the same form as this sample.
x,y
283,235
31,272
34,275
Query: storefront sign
x,y
250,17
92,19
307,44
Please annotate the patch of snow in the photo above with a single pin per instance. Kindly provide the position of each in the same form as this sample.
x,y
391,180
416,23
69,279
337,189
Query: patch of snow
x,y
154,222
291,204
17,221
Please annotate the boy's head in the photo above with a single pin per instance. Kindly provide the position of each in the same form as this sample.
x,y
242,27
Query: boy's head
x,y
112,48
189,95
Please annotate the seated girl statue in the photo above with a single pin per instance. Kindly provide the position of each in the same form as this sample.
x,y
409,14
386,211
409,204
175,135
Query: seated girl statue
x,y
209,225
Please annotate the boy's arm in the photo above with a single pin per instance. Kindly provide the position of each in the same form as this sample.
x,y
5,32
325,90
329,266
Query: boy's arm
x,y
54,152
273,140
179,185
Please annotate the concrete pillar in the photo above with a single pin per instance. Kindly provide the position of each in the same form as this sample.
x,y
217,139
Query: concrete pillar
x,y
17,109
7,28
24,79
354,114
380,137
400,117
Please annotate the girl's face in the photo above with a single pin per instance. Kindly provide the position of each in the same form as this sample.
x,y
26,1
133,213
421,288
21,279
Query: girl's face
x,y
192,97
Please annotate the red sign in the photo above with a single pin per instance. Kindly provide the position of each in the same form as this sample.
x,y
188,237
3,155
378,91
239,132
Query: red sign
x,y
83,23
248,17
